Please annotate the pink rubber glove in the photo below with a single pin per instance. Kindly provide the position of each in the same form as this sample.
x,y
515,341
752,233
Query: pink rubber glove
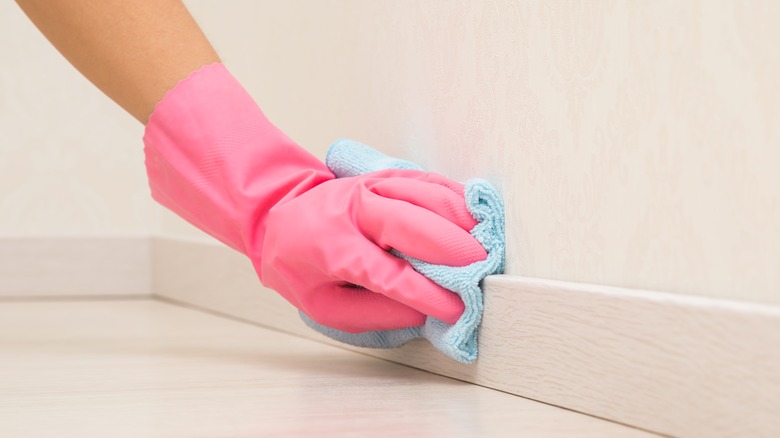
x,y
213,158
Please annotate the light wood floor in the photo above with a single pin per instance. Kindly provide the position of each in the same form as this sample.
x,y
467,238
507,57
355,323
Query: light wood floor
x,y
145,368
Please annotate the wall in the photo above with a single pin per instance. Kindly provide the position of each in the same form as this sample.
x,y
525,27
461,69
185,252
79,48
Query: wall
x,y
71,161
636,143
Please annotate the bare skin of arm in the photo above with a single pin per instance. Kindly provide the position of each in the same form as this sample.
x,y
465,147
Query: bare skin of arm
x,y
132,50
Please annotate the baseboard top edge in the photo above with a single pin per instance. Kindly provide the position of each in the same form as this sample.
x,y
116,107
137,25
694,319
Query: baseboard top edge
x,y
618,292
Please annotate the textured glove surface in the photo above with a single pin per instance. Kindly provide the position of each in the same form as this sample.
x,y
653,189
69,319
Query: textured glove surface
x,y
326,251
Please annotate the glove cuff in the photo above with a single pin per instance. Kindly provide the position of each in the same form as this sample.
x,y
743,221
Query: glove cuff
x,y
213,158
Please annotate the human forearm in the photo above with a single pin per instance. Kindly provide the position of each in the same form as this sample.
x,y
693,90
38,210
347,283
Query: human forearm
x,y
133,50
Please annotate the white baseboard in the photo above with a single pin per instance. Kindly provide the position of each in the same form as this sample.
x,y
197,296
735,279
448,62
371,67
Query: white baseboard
x,y
75,266
673,364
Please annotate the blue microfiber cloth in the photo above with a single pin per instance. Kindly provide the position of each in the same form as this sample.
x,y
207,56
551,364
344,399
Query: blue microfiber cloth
x,y
459,341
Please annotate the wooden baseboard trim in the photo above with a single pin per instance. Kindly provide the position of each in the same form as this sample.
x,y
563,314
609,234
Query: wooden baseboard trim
x,y
75,266
674,364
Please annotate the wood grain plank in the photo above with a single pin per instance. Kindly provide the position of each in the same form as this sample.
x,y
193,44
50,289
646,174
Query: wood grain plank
x,y
144,368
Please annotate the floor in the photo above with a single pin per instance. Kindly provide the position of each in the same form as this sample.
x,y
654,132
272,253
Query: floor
x,y
145,368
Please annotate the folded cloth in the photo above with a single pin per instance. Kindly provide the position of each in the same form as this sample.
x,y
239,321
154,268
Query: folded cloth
x,y
458,341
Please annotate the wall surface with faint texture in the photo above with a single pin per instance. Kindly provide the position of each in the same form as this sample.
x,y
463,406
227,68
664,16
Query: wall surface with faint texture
x,y
71,161
636,143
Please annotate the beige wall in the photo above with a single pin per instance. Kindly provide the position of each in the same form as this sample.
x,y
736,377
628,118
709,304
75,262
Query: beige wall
x,y
636,143
71,162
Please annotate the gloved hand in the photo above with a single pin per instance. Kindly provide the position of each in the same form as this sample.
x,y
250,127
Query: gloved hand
x,y
213,158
